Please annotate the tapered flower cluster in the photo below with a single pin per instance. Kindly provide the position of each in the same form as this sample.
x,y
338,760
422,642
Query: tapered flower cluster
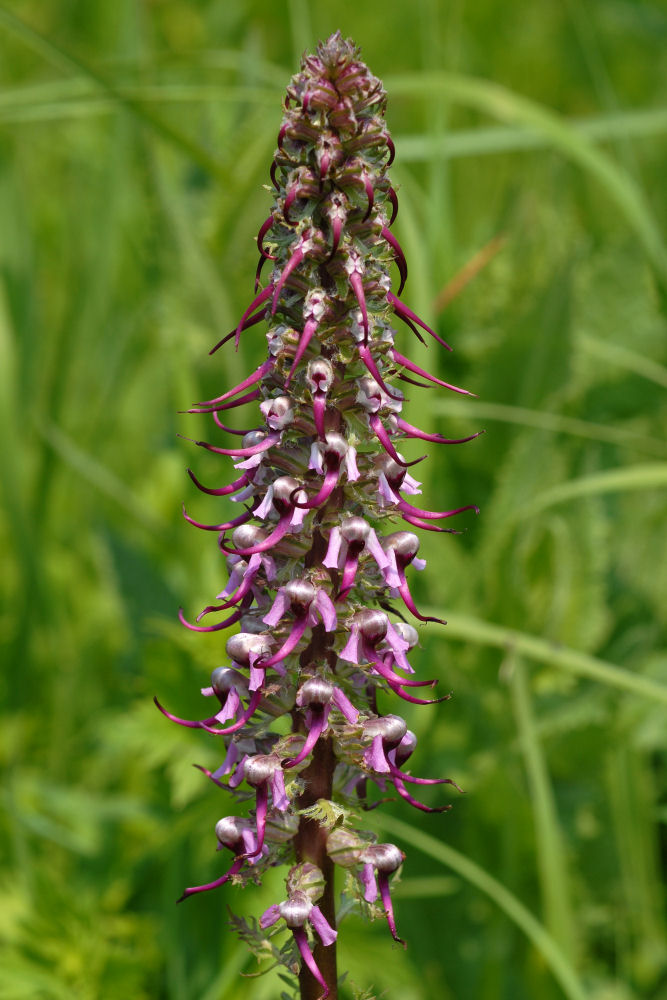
x,y
319,557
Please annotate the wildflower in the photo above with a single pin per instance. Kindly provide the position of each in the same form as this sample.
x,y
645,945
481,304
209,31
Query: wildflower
x,y
296,911
318,549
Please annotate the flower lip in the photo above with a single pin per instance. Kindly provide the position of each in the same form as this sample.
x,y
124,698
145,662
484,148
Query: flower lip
x,y
408,633
369,393
319,375
394,472
277,412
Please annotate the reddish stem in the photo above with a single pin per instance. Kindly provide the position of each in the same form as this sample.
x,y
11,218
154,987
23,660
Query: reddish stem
x,y
311,845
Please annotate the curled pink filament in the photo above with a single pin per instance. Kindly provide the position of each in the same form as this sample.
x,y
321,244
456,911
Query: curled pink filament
x,y
238,484
404,362
383,885
406,313
369,361
305,338
257,375
400,257
258,301
323,494
207,724
381,434
236,867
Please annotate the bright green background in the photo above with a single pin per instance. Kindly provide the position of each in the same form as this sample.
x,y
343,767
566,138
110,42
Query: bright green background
x,y
135,138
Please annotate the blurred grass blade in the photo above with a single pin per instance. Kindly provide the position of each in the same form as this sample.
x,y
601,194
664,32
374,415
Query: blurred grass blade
x,y
465,274
633,790
100,477
497,139
76,98
427,887
649,476
551,952
615,354
554,422
548,839
302,34
67,62
552,654
504,104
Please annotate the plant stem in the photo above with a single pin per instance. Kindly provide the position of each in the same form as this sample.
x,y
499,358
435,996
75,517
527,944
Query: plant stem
x,y
311,845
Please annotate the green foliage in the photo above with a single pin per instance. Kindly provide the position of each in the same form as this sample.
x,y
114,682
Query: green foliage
x,y
134,143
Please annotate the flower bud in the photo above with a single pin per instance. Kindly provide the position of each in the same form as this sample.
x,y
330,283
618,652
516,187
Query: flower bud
x,y
392,729
307,879
252,438
250,624
296,909
283,488
404,543
343,117
223,679
259,769
355,531
229,830
279,337
385,858
345,848
281,827
246,536
315,304
329,152
301,594
239,647
372,623
316,692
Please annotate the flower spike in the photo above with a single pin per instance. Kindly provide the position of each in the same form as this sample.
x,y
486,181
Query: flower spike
x,y
317,581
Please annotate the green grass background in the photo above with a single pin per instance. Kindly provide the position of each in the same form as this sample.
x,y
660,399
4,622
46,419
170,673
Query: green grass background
x,y
135,140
